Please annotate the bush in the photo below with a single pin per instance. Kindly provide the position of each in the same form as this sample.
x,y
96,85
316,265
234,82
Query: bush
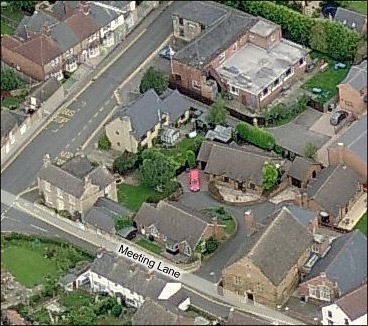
x,y
125,163
155,79
310,151
270,176
104,143
10,80
217,114
122,222
117,310
104,306
256,136
35,298
191,159
211,245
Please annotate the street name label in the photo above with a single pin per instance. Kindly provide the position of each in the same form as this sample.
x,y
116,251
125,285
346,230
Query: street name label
x,y
149,263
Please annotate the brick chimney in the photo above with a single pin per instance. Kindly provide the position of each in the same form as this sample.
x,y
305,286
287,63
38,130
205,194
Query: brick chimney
x,y
250,223
84,7
46,160
46,30
341,152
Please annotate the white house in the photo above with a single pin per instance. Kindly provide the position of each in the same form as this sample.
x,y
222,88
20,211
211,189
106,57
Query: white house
x,y
350,309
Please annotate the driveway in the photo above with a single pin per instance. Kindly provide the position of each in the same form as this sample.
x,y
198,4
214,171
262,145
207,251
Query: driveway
x,y
308,118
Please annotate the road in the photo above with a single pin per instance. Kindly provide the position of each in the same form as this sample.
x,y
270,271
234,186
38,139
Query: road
x,y
91,108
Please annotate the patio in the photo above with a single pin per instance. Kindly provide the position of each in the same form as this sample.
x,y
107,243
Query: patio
x,y
354,214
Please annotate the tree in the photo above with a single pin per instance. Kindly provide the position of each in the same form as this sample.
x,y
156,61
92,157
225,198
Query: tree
x,y
155,79
82,316
122,222
156,170
104,142
28,6
125,163
270,176
10,80
191,159
117,310
217,113
310,150
211,245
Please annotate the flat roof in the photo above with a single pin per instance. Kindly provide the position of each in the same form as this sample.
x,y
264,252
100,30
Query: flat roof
x,y
253,68
263,28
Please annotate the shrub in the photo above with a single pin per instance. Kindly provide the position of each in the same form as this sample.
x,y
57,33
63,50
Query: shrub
x,y
155,79
125,163
122,222
191,159
256,136
10,80
270,176
217,113
104,142
310,150
117,310
35,298
211,245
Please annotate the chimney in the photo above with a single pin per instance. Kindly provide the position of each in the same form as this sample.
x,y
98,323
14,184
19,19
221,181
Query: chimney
x,y
84,7
46,160
341,152
250,224
46,30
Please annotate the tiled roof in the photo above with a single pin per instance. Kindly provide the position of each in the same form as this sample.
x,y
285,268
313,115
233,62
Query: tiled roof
x,y
82,25
300,167
357,77
354,304
350,19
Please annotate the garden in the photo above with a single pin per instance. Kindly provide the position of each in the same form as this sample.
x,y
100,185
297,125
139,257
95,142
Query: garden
x,y
14,87
362,224
149,245
224,217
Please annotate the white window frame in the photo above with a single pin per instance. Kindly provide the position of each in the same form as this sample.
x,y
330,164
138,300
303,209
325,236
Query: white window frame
x,y
59,193
222,57
324,293
312,291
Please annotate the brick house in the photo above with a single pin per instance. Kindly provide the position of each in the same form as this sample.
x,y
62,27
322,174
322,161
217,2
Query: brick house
x,y
177,228
240,54
351,148
340,271
353,90
235,167
56,39
333,192
267,269
76,185
140,123
302,170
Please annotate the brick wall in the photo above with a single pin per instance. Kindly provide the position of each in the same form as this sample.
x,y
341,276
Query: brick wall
x,y
352,100
303,289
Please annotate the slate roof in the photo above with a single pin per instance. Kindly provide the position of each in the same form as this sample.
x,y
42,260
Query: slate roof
x,y
354,304
215,39
348,18
9,120
173,221
357,76
333,187
176,104
240,318
70,176
355,138
117,270
46,90
204,12
102,16
304,216
34,23
237,163
345,263
274,253
300,167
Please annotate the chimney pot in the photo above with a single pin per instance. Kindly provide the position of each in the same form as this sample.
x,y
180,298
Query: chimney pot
x,y
250,224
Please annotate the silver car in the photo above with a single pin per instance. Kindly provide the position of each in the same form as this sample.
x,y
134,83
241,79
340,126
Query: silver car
x,y
337,117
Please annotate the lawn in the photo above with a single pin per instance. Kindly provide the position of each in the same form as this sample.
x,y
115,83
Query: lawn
x,y
362,224
230,226
15,15
357,6
327,81
6,29
132,197
12,102
110,320
149,245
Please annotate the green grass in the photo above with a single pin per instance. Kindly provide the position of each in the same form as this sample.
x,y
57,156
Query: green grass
x,y
327,80
6,29
12,102
357,6
229,226
149,246
132,197
27,265
362,224
110,320
15,15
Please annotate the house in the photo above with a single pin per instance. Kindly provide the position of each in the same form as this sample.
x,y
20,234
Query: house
x,y
154,312
353,90
101,216
333,192
139,124
351,148
340,271
179,229
266,267
76,185
57,38
351,309
351,19
302,170
13,125
235,167
236,53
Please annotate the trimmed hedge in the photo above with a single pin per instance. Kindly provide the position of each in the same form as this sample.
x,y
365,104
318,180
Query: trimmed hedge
x,y
318,34
256,136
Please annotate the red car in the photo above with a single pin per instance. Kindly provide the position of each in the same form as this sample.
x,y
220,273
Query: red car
x,y
194,180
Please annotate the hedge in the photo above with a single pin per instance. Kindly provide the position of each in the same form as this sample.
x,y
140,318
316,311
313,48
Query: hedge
x,y
318,34
256,136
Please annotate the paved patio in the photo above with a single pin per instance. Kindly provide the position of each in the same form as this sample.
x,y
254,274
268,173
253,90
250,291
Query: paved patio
x,y
354,214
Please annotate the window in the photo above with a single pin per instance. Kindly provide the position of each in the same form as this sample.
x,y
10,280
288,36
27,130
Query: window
x,y
252,186
226,179
288,72
259,287
59,193
118,144
265,91
196,85
181,21
117,132
301,61
324,293
329,313
276,82
237,280
221,57
234,90
181,32
313,291
348,103
60,205
346,321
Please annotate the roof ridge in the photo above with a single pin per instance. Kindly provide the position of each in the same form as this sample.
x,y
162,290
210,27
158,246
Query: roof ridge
x,y
185,212
349,235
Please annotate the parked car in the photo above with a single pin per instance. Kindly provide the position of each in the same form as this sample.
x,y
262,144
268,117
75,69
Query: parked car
x,y
337,117
194,180
166,53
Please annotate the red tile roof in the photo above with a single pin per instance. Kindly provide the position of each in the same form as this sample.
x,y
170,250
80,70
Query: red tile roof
x,y
10,42
354,304
82,25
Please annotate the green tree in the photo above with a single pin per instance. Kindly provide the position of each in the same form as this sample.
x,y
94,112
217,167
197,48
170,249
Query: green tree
x,y
155,79
122,222
84,315
217,113
310,150
191,159
211,245
156,170
117,310
10,80
104,306
104,142
125,163
270,176
22,5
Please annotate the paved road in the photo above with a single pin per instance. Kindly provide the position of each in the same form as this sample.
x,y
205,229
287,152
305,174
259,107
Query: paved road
x,y
89,115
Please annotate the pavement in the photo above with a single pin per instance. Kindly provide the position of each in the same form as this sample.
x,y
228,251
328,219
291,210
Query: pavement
x,y
91,107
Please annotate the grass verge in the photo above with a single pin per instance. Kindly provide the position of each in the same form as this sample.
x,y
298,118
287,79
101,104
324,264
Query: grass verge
x,y
149,245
